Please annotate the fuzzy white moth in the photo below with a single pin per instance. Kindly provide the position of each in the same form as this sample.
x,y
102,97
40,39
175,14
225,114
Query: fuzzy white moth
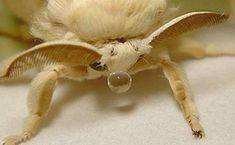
x,y
88,39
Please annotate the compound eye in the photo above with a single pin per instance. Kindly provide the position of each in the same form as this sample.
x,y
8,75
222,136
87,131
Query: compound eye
x,y
119,82
98,67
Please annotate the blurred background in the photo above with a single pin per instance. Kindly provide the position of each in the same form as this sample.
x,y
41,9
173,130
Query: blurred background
x,y
14,34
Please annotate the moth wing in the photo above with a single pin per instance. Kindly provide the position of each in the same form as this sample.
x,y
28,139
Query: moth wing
x,y
24,9
50,53
185,23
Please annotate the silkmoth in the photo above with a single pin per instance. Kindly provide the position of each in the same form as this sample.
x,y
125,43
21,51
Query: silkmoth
x,y
88,39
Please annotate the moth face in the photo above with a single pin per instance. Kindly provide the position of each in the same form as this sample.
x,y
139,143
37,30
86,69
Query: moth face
x,y
119,80
116,61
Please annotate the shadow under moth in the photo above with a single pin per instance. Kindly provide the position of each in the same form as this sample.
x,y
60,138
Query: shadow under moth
x,y
88,39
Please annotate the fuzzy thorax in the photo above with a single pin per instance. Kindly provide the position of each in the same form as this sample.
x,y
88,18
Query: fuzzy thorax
x,y
97,20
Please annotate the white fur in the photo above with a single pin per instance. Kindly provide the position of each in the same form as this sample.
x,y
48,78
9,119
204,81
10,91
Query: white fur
x,y
96,20
121,56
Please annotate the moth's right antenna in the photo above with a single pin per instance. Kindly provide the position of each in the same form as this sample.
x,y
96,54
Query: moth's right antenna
x,y
185,23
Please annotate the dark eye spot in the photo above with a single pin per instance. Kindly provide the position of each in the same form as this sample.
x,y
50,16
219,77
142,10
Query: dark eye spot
x,y
98,67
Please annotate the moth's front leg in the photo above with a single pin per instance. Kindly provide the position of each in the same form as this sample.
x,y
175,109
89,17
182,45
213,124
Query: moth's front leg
x,y
179,85
39,99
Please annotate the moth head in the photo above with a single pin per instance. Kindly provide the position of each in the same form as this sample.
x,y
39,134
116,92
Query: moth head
x,y
117,59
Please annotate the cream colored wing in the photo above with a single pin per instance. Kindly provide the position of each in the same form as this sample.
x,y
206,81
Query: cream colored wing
x,y
24,9
185,23
64,52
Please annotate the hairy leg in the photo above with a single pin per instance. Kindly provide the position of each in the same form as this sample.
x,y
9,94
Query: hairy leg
x,y
179,85
39,99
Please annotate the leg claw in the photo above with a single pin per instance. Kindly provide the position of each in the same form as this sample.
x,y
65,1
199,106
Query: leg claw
x,y
198,134
198,131
12,140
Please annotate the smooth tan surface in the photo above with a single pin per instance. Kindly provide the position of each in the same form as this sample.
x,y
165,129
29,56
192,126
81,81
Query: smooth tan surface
x,y
89,113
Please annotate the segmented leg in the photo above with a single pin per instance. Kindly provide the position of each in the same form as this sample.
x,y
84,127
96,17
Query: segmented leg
x,y
39,99
196,49
179,85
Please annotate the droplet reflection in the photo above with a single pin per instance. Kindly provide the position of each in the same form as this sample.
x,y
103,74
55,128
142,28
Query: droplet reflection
x,y
119,82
